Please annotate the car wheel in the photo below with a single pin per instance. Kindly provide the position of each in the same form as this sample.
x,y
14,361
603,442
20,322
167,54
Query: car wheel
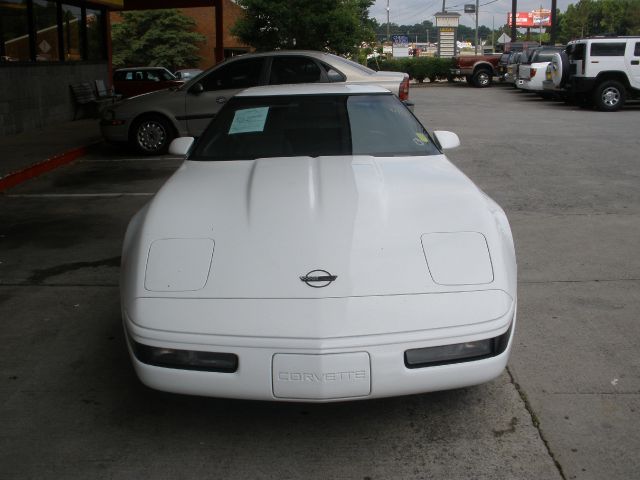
x,y
482,78
151,135
609,96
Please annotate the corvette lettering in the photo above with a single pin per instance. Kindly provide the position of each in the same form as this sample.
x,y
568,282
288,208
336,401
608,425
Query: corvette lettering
x,y
352,375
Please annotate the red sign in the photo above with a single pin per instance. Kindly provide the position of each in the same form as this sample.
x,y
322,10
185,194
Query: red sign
x,y
536,18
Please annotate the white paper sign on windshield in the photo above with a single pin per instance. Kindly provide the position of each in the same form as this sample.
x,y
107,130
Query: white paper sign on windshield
x,y
249,120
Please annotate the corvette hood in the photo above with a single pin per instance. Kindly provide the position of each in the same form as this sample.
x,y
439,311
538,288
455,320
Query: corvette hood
x,y
251,229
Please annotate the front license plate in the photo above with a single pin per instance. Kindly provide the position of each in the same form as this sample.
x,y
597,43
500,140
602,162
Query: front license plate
x,y
318,377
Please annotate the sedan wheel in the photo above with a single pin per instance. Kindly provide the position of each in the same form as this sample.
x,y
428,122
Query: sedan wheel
x,y
151,135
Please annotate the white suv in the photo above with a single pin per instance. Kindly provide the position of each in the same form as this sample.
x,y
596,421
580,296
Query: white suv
x,y
604,70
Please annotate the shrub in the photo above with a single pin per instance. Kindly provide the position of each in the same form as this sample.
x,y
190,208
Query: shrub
x,y
418,68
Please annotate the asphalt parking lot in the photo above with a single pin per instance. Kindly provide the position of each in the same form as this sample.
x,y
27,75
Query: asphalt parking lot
x,y
568,406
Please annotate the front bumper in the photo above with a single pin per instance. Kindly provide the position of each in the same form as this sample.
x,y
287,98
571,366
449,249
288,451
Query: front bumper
x,y
115,132
378,359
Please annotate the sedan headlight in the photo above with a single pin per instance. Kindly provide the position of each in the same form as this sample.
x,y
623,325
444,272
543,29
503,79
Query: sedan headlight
x,y
109,118
178,264
458,258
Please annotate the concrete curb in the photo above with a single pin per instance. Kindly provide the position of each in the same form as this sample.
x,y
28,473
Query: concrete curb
x,y
19,176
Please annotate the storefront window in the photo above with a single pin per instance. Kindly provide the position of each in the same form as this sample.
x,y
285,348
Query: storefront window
x,y
71,21
51,31
95,35
14,31
46,22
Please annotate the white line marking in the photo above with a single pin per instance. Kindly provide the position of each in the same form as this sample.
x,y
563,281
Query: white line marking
x,y
79,195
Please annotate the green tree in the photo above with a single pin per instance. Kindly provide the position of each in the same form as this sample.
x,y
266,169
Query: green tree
x,y
596,17
338,26
156,38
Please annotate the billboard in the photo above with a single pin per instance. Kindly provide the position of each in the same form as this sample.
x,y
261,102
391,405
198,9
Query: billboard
x,y
535,18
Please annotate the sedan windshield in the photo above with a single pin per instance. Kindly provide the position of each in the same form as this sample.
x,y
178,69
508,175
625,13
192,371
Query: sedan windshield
x,y
313,125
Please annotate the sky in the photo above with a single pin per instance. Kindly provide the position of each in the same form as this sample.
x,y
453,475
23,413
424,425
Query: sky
x,y
410,12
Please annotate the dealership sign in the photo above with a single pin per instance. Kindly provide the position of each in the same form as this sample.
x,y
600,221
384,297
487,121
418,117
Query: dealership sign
x,y
536,18
400,40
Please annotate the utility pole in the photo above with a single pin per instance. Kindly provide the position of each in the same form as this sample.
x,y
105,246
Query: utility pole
x,y
493,31
552,33
514,30
443,6
540,29
388,20
477,14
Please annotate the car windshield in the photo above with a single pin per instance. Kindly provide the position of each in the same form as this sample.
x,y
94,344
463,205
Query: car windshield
x,y
313,125
527,56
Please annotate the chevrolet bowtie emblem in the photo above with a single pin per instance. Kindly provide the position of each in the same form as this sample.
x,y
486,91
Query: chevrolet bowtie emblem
x,y
318,278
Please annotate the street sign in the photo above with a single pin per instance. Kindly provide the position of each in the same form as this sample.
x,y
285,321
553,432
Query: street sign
x,y
504,38
447,19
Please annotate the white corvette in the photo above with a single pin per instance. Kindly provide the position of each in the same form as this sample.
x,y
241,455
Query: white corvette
x,y
316,245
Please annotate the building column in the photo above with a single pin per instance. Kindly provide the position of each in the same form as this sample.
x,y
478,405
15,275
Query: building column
x,y
219,49
107,26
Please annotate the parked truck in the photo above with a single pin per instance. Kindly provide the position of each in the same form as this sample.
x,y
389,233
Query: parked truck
x,y
478,70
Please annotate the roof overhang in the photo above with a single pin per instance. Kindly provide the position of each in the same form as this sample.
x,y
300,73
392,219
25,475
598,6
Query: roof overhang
x,y
153,5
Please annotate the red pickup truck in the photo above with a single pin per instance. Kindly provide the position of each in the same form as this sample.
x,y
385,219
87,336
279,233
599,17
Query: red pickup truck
x,y
479,70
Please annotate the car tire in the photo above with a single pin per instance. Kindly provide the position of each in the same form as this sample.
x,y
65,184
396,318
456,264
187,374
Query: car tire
x,y
482,78
609,96
151,135
560,69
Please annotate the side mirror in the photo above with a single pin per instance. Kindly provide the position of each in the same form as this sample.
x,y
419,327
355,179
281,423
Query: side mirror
x,y
334,76
447,139
196,89
180,146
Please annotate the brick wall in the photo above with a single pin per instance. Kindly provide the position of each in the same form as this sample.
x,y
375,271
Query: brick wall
x,y
206,25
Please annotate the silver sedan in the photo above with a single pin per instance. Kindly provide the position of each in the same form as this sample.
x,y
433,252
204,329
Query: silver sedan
x,y
149,122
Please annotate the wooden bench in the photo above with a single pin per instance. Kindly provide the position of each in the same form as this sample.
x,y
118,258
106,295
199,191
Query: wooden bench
x,y
106,94
84,95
